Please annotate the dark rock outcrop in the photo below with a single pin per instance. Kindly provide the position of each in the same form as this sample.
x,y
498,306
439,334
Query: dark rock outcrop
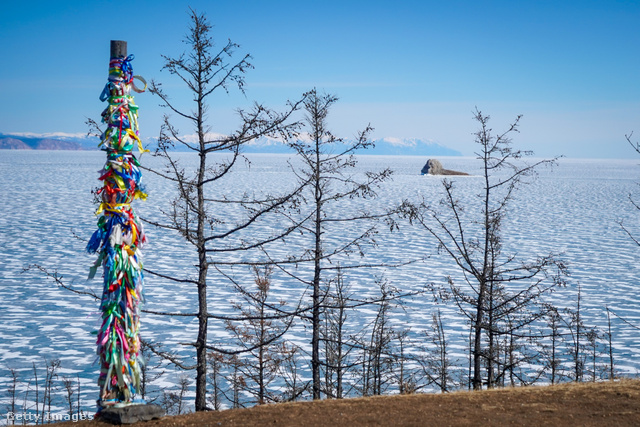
x,y
434,167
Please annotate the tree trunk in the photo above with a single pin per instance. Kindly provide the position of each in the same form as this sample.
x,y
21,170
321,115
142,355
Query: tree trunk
x,y
339,372
201,343
203,267
315,340
578,367
261,362
492,351
477,344
610,347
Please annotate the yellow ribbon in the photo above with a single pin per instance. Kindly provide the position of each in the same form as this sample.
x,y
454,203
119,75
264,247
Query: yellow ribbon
x,y
111,207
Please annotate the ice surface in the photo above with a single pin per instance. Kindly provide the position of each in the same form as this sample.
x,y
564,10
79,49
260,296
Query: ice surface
x,y
573,209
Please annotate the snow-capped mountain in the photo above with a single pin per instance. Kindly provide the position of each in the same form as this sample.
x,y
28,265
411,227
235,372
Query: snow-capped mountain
x,y
411,147
80,141
386,146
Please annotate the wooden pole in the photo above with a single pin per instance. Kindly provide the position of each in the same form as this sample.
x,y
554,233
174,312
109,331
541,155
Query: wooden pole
x,y
119,237
118,49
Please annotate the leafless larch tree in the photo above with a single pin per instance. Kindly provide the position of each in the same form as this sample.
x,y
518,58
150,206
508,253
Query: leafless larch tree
x,y
500,294
206,71
325,168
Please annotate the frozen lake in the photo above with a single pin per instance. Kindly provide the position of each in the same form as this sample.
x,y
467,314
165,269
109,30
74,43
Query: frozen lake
x,y
574,209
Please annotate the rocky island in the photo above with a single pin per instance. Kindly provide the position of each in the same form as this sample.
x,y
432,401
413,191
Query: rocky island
x,y
434,167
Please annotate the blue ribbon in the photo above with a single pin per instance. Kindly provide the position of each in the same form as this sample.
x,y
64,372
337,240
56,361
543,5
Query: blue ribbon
x,y
127,69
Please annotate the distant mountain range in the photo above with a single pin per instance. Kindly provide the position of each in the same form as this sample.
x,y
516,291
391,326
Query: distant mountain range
x,y
63,141
47,141
411,147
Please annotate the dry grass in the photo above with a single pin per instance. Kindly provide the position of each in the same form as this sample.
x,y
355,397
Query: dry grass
x,y
588,404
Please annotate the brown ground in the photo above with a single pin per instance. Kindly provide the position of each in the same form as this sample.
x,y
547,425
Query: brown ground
x,y
591,404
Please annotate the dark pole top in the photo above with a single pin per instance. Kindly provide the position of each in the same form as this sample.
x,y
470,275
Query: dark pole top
x,y
118,48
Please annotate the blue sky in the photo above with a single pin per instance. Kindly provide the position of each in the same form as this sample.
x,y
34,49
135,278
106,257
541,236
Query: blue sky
x,y
413,69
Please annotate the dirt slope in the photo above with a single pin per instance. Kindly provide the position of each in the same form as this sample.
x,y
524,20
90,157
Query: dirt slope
x,y
591,404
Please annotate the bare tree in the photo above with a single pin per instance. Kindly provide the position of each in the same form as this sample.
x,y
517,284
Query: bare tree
x,y
337,349
67,383
407,383
205,71
592,336
215,361
236,380
35,376
576,330
377,355
13,388
495,285
52,367
551,351
327,175
294,386
610,346
437,365
259,335
173,401
636,147
79,412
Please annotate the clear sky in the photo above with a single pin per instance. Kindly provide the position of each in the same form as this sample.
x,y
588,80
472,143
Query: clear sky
x,y
413,69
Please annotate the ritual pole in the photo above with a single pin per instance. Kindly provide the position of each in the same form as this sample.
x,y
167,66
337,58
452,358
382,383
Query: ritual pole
x,y
119,238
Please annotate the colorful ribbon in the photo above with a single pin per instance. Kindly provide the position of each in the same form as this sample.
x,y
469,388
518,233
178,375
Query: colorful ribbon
x,y
118,240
